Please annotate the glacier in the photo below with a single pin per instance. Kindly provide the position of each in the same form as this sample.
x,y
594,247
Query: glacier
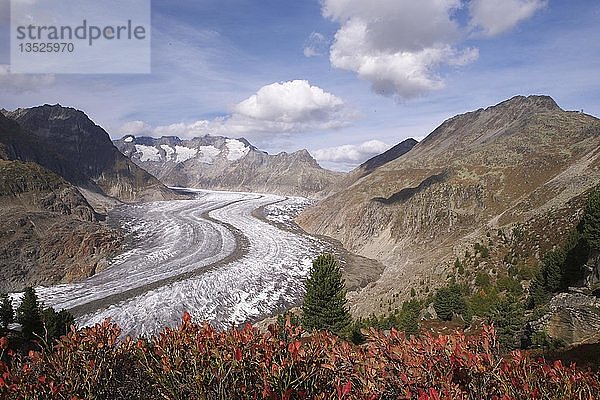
x,y
210,256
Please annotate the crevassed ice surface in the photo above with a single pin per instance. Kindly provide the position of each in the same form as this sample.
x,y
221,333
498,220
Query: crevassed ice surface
x,y
173,237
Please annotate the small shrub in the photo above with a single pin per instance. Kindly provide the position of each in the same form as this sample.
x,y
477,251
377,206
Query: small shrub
x,y
482,280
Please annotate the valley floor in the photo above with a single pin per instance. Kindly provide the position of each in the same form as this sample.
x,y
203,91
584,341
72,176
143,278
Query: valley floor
x,y
210,256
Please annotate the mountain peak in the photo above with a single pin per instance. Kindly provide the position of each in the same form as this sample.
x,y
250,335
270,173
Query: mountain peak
x,y
64,140
534,102
397,151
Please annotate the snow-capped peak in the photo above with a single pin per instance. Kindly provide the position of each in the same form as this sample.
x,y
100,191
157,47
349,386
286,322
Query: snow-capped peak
x,y
236,149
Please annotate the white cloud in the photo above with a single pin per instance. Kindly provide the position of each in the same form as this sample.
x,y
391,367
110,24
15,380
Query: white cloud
x,y
290,102
352,154
135,128
180,129
315,45
494,17
277,109
396,45
399,46
19,83
197,128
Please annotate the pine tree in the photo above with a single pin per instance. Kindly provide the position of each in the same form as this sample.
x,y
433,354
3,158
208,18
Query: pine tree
x,y
508,316
7,314
325,300
28,315
552,269
449,301
591,221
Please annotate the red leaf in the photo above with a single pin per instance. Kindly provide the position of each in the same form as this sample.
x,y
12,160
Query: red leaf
x,y
238,355
347,388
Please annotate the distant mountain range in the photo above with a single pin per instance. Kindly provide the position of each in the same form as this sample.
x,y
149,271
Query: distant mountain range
x,y
221,163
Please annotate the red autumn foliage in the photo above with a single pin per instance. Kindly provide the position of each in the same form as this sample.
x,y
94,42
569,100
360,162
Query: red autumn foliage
x,y
198,362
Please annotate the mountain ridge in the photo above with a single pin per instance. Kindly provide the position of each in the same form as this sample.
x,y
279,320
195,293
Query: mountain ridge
x,y
64,140
222,163
51,233
489,169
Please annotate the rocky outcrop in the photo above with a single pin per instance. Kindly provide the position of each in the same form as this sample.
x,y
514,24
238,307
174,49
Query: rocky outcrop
x,y
573,319
50,234
478,172
67,142
220,163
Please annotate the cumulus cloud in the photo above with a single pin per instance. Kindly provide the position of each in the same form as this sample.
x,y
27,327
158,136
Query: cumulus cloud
x,y
20,83
315,45
494,17
197,128
351,154
396,45
275,109
290,102
399,46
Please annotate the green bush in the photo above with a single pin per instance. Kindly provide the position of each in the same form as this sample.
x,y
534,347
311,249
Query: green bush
x,y
509,284
482,250
482,279
482,303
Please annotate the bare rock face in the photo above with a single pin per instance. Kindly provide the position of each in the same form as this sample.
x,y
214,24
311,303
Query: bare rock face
x,y
220,163
67,142
573,319
496,167
50,233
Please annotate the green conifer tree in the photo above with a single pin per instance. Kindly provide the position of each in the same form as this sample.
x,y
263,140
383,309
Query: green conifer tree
x,y
591,221
325,300
552,269
508,317
448,301
28,315
7,314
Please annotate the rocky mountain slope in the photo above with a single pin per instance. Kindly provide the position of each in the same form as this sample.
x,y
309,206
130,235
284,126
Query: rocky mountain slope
x,y
50,233
373,163
520,162
67,142
215,162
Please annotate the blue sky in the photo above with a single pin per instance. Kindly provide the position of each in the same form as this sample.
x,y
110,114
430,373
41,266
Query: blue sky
x,y
340,78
